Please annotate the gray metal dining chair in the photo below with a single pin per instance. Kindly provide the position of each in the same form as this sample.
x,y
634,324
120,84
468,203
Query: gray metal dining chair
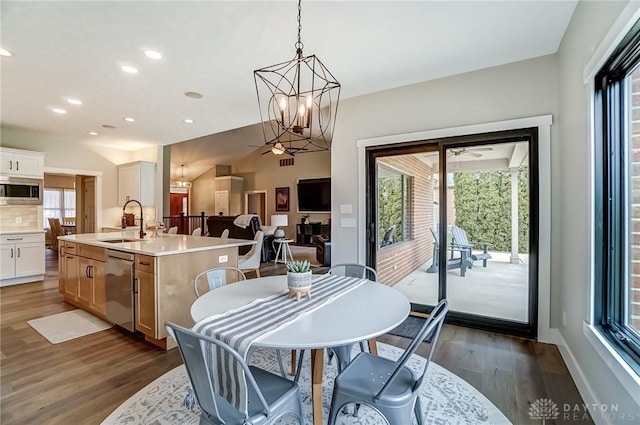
x,y
216,277
388,386
343,352
269,396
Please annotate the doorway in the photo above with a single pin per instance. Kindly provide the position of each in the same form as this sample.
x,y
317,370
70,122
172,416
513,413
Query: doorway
x,y
456,218
178,203
256,203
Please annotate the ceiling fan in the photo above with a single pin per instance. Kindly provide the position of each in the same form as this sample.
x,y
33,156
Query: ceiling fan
x,y
467,151
279,149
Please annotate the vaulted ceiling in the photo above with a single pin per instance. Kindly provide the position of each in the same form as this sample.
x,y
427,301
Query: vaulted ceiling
x,y
74,50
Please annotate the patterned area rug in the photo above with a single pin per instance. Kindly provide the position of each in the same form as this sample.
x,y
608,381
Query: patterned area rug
x,y
446,398
72,324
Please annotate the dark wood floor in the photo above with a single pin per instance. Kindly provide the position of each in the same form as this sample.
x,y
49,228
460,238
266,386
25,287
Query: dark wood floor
x,y
81,381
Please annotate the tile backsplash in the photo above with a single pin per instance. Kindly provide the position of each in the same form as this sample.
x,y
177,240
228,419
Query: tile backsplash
x,y
20,217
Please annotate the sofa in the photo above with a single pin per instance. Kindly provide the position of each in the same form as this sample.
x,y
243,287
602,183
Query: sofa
x,y
217,223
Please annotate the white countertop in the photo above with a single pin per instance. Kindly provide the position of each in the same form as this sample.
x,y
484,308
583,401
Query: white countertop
x,y
155,246
20,232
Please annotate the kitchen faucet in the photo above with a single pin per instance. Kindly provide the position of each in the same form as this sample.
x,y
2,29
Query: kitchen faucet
x,y
142,233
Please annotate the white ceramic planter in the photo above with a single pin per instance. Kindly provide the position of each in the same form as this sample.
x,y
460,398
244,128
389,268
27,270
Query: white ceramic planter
x,y
299,280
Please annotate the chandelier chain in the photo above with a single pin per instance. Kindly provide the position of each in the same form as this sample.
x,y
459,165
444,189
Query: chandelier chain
x,y
299,44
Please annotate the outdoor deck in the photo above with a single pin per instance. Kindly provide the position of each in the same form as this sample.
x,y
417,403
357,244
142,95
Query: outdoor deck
x,y
500,290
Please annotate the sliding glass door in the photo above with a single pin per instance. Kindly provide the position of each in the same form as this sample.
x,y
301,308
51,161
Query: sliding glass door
x,y
457,218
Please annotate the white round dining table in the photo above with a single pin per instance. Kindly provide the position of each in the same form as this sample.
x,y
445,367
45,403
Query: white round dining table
x,y
362,313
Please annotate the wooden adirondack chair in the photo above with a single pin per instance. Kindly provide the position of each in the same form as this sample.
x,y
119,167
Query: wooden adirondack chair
x,y
460,240
461,262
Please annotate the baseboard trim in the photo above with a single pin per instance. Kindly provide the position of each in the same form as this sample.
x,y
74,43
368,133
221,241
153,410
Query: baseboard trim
x,y
585,390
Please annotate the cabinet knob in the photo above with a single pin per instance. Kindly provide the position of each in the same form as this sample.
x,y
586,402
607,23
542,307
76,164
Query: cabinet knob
x,y
11,252
17,165
18,252
10,165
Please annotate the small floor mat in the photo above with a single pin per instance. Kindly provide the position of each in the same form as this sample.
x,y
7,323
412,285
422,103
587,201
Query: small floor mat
x,y
409,328
65,326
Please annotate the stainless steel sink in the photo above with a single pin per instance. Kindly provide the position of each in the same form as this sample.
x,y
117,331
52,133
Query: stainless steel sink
x,y
121,240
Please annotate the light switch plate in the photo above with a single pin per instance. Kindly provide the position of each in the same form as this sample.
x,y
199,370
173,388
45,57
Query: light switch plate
x,y
223,259
346,208
347,222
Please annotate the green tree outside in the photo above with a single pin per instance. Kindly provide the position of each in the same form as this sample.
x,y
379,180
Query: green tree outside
x,y
483,207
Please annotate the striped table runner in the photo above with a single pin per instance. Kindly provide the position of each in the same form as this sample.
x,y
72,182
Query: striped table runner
x,y
240,327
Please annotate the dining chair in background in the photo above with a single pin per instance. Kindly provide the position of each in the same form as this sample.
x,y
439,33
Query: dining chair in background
x,y
270,396
225,233
251,260
173,230
56,230
343,352
389,386
197,232
215,278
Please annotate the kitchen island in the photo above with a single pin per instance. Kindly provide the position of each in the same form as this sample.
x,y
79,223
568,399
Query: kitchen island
x,y
154,277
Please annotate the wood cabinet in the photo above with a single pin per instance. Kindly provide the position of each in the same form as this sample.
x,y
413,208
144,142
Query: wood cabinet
x,y
69,276
136,180
91,285
21,163
21,258
82,276
145,295
163,287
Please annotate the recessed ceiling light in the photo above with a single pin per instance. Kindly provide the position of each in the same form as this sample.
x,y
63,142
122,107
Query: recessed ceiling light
x,y
5,52
93,133
193,95
108,126
153,54
59,111
74,101
129,119
189,121
129,69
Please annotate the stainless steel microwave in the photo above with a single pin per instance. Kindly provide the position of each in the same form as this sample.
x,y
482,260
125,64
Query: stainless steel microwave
x,y
20,191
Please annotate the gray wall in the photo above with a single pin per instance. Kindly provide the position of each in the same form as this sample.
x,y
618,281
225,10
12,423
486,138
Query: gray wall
x,y
571,210
547,85
523,89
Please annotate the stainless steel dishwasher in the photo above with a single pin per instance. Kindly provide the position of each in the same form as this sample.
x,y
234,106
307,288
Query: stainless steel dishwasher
x,y
120,275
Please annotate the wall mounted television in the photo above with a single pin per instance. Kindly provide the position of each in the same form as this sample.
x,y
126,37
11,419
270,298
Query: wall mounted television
x,y
314,195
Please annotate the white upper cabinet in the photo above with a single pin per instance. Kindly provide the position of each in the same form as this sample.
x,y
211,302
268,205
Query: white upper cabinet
x,y
20,163
137,181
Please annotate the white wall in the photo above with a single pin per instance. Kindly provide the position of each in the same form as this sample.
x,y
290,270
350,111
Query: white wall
x,y
572,211
63,154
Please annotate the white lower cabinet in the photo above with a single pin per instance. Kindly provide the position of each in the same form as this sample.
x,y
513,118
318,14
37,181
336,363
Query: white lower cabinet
x,y
22,258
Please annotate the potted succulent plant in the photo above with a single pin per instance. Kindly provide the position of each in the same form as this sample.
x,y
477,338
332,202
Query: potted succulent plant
x,y
299,278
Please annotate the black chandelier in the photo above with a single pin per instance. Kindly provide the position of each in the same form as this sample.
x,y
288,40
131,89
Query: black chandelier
x,y
298,103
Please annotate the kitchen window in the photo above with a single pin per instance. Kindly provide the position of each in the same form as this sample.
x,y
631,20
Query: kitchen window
x,y
617,198
59,203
